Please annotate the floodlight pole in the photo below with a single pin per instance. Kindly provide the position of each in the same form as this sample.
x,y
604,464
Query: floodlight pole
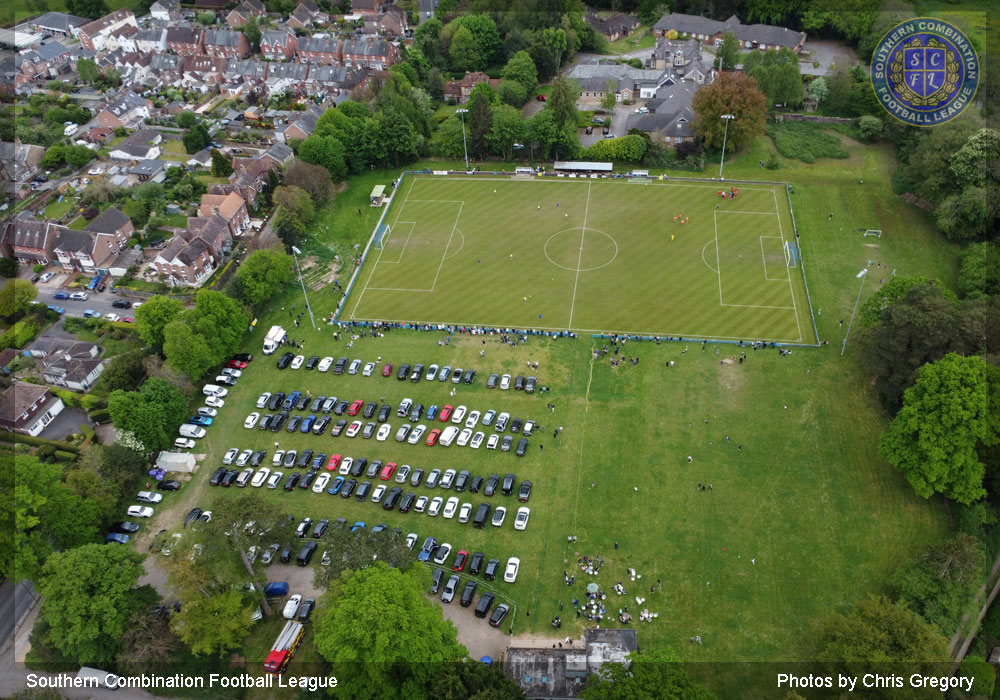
x,y
725,134
863,274
295,256
465,147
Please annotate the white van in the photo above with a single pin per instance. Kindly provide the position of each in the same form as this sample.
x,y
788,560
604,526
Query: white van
x,y
190,430
71,129
103,679
214,390
449,435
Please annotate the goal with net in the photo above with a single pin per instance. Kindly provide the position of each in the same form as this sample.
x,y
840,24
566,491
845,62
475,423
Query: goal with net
x,y
381,233
791,254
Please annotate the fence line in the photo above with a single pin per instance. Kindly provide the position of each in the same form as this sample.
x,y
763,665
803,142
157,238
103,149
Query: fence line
x,y
802,265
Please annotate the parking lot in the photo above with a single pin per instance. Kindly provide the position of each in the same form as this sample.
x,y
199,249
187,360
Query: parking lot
x,y
96,301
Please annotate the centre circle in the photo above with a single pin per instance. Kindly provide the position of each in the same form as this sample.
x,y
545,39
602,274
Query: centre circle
x,y
581,249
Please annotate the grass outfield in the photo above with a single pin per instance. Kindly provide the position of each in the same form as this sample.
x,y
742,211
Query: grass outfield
x,y
588,255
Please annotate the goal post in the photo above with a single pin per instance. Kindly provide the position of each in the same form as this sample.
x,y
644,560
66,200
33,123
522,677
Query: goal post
x,y
791,254
381,233
873,232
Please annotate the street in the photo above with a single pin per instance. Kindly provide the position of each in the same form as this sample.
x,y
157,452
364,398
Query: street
x,y
96,301
425,10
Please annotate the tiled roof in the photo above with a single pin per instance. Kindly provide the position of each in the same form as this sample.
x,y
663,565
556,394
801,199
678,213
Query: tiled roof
x,y
110,221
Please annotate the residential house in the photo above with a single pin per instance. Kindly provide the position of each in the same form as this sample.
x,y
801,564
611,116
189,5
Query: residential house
x,y
461,90
321,48
168,68
166,10
629,83
128,258
710,32
33,239
57,24
286,77
280,154
332,80
46,61
185,41
129,112
201,159
307,14
670,118
121,39
184,263
99,135
614,27
48,346
93,36
151,40
20,160
278,44
300,126
248,70
241,14
366,7
27,408
230,207
213,230
226,43
143,144
73,373
146,170
369,52
209,70
393,22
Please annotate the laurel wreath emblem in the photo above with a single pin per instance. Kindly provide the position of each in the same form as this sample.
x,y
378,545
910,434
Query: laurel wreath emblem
x,y
952,74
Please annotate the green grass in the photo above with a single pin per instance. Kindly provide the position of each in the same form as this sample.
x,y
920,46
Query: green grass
x,y
174,147
805,141
57,209
642,38
17,10
77,224
175,220
453,240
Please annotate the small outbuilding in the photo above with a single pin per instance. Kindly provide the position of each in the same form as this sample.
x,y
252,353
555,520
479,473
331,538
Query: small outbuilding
x,y
378,195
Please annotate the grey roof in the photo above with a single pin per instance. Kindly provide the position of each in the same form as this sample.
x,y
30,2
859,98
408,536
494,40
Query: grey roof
x,y
222,37
366,47
761,33
202,156
274,37
110,221
73,241
192,251
675,123
290,71
613,72
247,68
59,21
52,50
29,232
147,167
689,49
166,62
183,35
323,43
280,152
153,34
689,24
127,258
562,673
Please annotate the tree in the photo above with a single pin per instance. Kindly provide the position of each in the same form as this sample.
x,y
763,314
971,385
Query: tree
x,y
506,129
8,267
327,152
148,640
196,138
651,674
729,52
980,273
375,622
562,102
485,35
480,119
448,141
610,96
152,414
207,17
296,201
968,215
213,625
544,59
186,119
89,596
555,39
287,226
116,464
125,372
314,179
91,9
521,69
88,71
262,275
16,296
221,320
252,32
869,128
975,163
153,316
933,438
649,11
818,89
90,487
395,137
221,165
479,681
464,52
777,75
731,93
48,515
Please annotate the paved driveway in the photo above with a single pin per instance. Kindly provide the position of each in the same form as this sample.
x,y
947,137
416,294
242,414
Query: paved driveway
x,y
829,54
66,423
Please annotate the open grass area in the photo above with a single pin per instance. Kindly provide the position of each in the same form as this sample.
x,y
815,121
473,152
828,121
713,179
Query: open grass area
x,y
17,10
642,38
588,256
174,147
57,209
77,224
805,141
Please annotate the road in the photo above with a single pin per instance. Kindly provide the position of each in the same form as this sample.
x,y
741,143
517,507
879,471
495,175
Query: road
x,y
96,301
425,10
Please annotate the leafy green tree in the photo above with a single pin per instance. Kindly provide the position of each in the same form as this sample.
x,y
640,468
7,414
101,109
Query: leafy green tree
x,y
485,35
125,371
295,201
206,18
928,161
89,595
396,137
545,60
213,626
153,316
818,89
975,163
262,275
314,179
90,487
506,129
479,681
220,320
186,119
137,211
87,70
555,39
221,165
480,119
287,226
253,34
521,69
610,95
562,102
542,130
327,152
16,296
968,215
448,139
933,438
427,38
196,138
980,272
651,674
729,52
375,622
869,128
116,464
91,9
464,52
152,414
777,75
48,515
731,93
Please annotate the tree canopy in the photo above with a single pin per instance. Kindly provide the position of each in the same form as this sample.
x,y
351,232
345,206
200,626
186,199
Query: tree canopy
x,y
731,93
16,296
153,316
651,674
262,275
152,413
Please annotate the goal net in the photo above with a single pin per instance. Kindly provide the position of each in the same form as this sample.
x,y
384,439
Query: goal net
x,y
791,254
381,233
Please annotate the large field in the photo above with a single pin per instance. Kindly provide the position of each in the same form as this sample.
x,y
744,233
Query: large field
x,y
667,258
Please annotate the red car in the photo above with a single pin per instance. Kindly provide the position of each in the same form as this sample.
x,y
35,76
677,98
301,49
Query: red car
x,y
128,319
355,407
387,471
540,98
236,364
445,412
333,463
387,370
432,438
460,559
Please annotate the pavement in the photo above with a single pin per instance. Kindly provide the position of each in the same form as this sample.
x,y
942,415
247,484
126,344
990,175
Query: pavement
x,y
829,54
423,8
66,423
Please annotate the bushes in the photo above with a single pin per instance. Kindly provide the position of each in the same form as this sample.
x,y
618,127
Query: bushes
x,y
69,398
19,335
804,141
91,401
65,457
88,432
100,416
38,442
45,451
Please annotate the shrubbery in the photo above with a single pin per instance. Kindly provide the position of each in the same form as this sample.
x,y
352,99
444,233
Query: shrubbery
x,y
804,141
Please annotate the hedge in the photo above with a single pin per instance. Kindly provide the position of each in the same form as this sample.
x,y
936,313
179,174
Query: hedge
x,y
100,415
38,442
88,432
69,398
92,401
65,456
46,451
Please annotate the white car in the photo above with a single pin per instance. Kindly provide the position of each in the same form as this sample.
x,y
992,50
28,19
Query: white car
x,y
214,402
324,364
448,436
292,606
321,481
345,466
149,497
369,368
459,415
510,573
244,457
442,554
113,317
184,443
260,477
491,444
95,171
498,516
505,382
263,399
473,418
383,432
252,553
477,439
411,540
190,430
140,512
230,372
378,493
450,507
78,296
417,433
297,362
278,458
447,478
354,428
251,420
275,479
207,411
421,505
435,507
521,521
464,513
231,455
464,437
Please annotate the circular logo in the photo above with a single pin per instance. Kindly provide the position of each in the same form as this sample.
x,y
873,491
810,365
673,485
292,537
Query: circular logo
x,y
925,71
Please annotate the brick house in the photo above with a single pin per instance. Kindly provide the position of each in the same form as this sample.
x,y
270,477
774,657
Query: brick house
x,y
130,111
366,7
301,126
461,90
278,44
166,10
230,207
183,263
33,239
213,230
241,14
111,232
710,32
393,22
185,41
369,52
226,43
93,36
321,49
27,408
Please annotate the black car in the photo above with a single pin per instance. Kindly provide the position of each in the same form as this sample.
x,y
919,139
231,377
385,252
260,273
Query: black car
x,y
316,403
373,469
301,404
418,372
230,477
392,498
483,608
508,484
217,476
265,421
403,373
278,421
468,593
307,479
364,488
492,566
124,527
519,383
470,376
243,357
383,413
276,400
476,563
529,385
122,304
291,480
192,516
496,619
341,406
306,554
320,528
370,409
293,424
257,458
338,427
436,578
328,404
461,480
304,458
522,447
320,425
308,605
407,502
340,366
348,488
318,461
492,382
312,362
476,484
286,555
524,493
417,476
285,360
515,425
303,528
505,444
416,411
168,486
491,485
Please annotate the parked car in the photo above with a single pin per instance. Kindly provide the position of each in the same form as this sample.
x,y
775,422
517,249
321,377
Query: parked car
x,y
292,606
140,512
450,589
497,618
521,520
510,573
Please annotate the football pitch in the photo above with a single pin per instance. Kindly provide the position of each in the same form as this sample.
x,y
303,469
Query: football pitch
x,y
589,255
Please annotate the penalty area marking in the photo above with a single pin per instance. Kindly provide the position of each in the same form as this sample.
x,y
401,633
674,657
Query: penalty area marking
x,y
704,260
